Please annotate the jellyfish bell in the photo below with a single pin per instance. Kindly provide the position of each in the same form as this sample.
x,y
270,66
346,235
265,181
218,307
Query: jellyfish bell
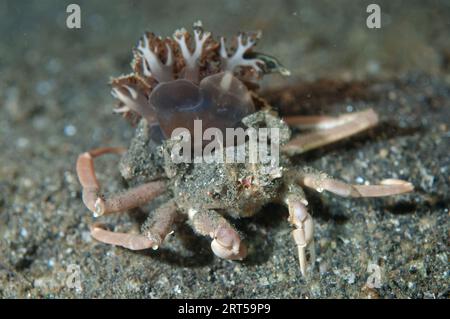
x,y
220,101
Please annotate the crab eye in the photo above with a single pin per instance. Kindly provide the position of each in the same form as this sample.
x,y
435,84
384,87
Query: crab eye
x,y
220,101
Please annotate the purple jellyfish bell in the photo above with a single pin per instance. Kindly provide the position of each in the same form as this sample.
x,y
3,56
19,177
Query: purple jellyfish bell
x,y
220,101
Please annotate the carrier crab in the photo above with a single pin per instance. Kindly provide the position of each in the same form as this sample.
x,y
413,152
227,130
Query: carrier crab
x,y
187,77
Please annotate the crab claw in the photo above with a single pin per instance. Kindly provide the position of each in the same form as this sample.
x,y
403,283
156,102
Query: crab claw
x,y
303,234
227,244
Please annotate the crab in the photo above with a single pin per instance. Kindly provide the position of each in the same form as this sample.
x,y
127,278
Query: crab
x,y
178,80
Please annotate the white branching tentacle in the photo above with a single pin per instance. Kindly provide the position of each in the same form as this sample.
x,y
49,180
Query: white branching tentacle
x,y
151,64
120,110
191,59
133,100
169,60
238,59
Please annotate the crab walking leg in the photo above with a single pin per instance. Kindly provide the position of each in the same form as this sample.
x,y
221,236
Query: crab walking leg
x,y
160,223
154,231
329,130
130,241
387,187
226,241
304,231
323,122
96,202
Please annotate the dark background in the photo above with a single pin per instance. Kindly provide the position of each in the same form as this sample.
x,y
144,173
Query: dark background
x,y
55,104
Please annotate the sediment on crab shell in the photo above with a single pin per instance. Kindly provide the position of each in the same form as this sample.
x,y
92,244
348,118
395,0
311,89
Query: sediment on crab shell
x,y
250,146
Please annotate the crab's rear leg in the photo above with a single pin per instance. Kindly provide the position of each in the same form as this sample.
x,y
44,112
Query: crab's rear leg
x,y
326,129
154,230
95,201
226,241
387,187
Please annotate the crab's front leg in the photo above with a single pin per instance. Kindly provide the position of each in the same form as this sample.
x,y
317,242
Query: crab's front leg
x,y
134,197
304,226
226,241
94,199
154,230
129,241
